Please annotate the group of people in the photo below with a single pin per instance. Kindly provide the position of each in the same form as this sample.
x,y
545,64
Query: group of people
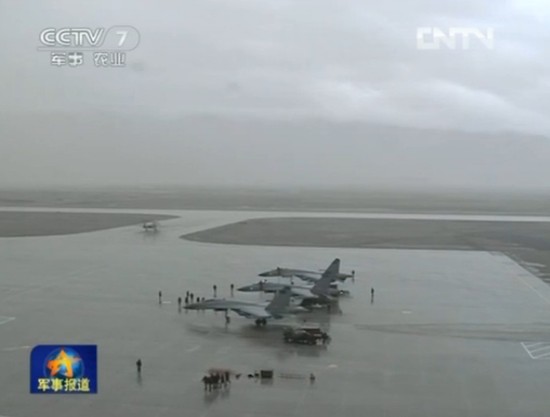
x,y
190,297
215,380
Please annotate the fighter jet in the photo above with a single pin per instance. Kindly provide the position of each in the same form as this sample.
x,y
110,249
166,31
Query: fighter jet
x,y
322,290
299,291
150,226
276,309
304,275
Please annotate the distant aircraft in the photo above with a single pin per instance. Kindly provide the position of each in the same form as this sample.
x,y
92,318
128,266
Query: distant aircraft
x,y
276,309
305,275
150,226
323,288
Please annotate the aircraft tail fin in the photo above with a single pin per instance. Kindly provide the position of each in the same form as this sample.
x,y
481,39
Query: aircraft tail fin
x,y
322,286
280,301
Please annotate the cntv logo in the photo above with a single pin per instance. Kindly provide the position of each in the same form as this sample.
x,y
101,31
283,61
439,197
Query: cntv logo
x,y
63,369
433,38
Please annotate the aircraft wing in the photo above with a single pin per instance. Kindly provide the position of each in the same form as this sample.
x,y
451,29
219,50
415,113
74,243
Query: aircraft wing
x,y
251,312
301,292
308,277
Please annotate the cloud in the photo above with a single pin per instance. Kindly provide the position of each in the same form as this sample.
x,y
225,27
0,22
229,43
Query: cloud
x,y
279,52
313,61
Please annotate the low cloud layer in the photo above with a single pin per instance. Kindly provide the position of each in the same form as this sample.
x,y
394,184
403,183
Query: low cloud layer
x,y
293,62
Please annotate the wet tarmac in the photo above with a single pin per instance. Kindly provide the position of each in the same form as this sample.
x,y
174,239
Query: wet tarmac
x,y
447,334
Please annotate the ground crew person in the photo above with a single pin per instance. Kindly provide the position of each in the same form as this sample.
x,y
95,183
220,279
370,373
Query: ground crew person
x,y
138,365
160,297
215,288
372,295
232,288
179,302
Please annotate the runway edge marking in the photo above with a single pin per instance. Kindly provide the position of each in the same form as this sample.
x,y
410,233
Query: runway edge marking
x,y
527,350
544,352
4,320
543,297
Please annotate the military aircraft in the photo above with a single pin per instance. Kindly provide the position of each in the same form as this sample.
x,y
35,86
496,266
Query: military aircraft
x,y
151,226
304,275
275,309
299,291
322,290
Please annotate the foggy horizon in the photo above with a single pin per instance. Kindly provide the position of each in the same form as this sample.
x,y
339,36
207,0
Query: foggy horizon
x,y
247,94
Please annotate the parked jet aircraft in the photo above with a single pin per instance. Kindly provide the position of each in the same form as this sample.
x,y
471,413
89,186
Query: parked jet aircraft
x,y
150,226
298,291
322,289
276,309
305,275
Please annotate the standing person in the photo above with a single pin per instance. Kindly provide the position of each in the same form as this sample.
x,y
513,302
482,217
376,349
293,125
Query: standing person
x,y
138,366
205,382
160,297
353,276
372,295
215,289
192,296
232,289
179,303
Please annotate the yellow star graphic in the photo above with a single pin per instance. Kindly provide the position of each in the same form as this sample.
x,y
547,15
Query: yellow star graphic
x,y
62,360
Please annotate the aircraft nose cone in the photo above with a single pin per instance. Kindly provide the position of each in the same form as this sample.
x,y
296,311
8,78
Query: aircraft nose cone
x,y
244,289
265,274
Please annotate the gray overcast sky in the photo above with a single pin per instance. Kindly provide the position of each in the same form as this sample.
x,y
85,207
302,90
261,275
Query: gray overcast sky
x,y
319,75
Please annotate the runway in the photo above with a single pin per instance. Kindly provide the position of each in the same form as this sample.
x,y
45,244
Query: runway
x,y
450,333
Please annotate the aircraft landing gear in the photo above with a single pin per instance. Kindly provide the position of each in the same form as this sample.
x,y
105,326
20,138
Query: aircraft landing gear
x,y
261,322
